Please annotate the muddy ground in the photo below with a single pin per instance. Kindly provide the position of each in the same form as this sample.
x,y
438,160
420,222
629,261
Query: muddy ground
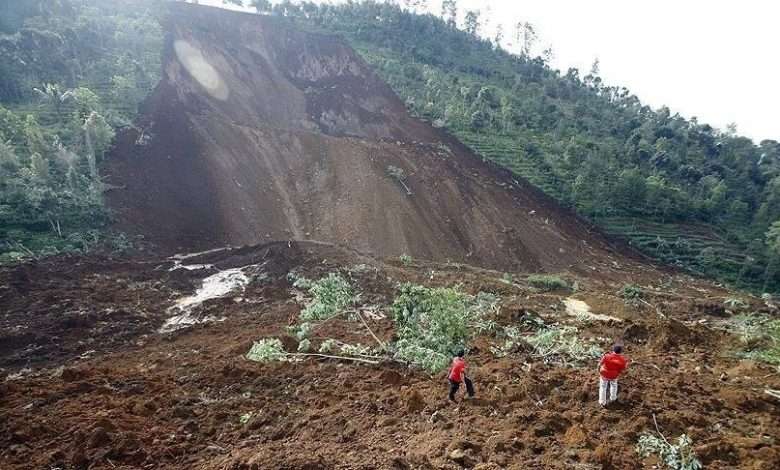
x,y
89,382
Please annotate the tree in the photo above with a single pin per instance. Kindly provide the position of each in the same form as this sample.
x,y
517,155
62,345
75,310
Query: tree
x,y
54,95
773,246
261,5
499,37
471,22
449,12
526,36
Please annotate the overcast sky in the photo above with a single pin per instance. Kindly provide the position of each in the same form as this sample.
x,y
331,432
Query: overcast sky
x,y
717,60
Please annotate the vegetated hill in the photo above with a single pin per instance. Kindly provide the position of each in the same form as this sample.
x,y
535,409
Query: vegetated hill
x,y
259,131
593,147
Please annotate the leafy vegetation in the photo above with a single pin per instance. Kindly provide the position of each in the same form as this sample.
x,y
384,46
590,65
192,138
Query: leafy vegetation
x,y
72,73
267,350
405,259
547,282
562,345
630,292
330,296
433,323
760,337
678,456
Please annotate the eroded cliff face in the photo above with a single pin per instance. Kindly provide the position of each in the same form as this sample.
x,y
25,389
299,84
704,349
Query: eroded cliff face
x,y
261,132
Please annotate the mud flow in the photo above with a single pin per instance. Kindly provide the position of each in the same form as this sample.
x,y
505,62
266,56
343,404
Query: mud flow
x,y
96,374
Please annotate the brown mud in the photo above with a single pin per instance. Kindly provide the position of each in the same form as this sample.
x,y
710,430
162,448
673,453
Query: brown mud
x,y
189,399
259,132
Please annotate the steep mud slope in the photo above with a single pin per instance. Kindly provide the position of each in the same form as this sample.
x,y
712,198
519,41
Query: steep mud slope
x,y
261,132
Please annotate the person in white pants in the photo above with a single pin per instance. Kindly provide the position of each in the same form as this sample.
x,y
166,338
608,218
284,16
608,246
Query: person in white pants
x,y
608,390
611,366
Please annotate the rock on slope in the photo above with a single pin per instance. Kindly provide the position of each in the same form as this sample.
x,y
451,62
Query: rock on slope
x,y
261,132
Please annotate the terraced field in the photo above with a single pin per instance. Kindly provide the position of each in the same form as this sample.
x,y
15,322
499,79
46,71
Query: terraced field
x,y
508,152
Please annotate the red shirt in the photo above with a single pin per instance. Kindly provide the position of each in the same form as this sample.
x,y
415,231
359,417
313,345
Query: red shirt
x,y
456,371
612,364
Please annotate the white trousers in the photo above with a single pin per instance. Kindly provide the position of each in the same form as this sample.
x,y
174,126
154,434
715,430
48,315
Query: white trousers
x,y
607,390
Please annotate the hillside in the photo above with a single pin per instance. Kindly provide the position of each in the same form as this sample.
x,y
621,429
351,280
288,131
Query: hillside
x,y
374,247
593,146
259,131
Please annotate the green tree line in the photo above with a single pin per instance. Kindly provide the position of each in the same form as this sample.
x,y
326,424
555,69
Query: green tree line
x,y
72,72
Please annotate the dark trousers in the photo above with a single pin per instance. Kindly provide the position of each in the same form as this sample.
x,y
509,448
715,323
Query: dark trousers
x,y
454,386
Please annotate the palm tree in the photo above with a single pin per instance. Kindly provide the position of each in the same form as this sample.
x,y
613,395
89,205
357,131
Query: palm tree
x,y
53,94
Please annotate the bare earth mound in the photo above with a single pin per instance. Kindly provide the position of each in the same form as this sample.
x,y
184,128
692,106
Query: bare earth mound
x,y
260,132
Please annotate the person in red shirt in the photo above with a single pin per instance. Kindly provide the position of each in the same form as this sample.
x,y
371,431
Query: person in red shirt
x,y
610,367
457,375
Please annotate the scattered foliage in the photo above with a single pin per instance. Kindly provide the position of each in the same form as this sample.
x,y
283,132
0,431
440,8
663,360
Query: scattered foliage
x,y
561,344
330,296
678,456
304,345
328,346
405,259
631,292
760,336
267,350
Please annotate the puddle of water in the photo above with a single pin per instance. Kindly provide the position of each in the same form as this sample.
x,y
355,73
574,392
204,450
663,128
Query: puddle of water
x,y
215,286
579,309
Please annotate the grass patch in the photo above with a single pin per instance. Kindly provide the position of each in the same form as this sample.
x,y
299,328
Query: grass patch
x,y
547,282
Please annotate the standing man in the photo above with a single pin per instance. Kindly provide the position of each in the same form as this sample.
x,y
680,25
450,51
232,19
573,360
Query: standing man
x,y
610,367
458,374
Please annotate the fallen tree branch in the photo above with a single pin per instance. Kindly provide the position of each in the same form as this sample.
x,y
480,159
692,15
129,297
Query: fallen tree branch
x,y
659,431
381,343
773,393
327,356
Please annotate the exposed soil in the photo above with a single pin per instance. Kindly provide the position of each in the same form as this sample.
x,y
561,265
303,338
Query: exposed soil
x,y
260,132
144,399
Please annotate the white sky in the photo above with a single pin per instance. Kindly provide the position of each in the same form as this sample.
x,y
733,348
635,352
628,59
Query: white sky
x,y
717,60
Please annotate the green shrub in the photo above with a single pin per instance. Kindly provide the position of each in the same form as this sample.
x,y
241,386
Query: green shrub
x,y
330,296
560,344
267,350
631,292
328,346
547,282
760,336
406,260
432,323
675,457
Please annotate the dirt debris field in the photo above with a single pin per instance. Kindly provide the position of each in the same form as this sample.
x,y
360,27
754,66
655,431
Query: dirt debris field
x,y
89,381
